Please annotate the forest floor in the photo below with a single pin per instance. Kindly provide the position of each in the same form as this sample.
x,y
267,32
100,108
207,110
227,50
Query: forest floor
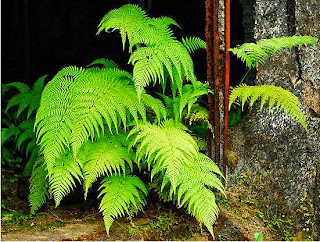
x,y
82,221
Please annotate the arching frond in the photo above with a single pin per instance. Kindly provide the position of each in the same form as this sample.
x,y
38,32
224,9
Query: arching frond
x,y
167,144
152,63
62,177
105,63
119,193
78,103
281,98
38,186
105,156
193,44
157,53
253,54
199,113
26,98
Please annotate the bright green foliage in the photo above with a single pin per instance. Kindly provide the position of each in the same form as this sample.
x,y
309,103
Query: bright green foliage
x,y
193,44
253,54
119,193
168,145
105,63
26,98
77,104
38,186
189,96
199,113
64,172
157,53
281,98
106,156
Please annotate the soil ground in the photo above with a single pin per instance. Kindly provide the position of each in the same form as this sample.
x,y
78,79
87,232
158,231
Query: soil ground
x,y
77,221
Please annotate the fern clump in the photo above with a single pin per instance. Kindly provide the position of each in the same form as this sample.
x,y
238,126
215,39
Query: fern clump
x,y
99,122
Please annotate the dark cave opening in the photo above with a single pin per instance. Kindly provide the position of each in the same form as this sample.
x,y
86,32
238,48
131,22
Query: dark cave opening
x,y
41,37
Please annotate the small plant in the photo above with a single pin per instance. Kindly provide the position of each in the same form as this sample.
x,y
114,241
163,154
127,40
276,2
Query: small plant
x,y
19,124
99,123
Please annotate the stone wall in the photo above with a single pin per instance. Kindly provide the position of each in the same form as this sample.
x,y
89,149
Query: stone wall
x,y
280,156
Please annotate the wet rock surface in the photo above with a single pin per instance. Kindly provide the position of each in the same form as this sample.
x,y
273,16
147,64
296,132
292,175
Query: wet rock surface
x,y
282,158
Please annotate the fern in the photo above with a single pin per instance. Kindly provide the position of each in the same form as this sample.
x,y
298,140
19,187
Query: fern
x,y
62,180
105,63
105,156
168,145
157,52
119,194
78,102
283,99
193,44
38,186
253,54
199,113
26,98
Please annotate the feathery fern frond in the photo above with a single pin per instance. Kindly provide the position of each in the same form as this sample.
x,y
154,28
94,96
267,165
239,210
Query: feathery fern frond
x,y
168,145
8,133
105,156
194,184
105,63
26,97
278,96
134,25
78,103
253,54
151,64
200,113
64,172
38,186
157,53
119,193
193,44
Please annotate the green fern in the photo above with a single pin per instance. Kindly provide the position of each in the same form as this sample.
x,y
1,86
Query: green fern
x,y
119,194
26,98
78,103
254,54
283,99
157,53
62,178
105,156
39,186
168,145
193,44
105,63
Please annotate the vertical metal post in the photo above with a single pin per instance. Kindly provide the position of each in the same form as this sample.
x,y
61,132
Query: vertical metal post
x,y
227,78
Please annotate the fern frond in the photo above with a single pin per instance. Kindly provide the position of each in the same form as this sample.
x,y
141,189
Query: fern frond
x,y
26,98
78,104
105,63
8,133
254,54
152,63
119,193
38,186
283,99
193,44
168,145
199,113
62,177
157,50
105,156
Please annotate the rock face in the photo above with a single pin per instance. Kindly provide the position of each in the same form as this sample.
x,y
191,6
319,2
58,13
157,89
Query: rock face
x,y
281,156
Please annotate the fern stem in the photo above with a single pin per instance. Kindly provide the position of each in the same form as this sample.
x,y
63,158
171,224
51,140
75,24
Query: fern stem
x,y
245,76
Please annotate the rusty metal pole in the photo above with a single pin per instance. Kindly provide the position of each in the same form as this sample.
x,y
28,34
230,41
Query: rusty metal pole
x,y
212,38
227,79
210,79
